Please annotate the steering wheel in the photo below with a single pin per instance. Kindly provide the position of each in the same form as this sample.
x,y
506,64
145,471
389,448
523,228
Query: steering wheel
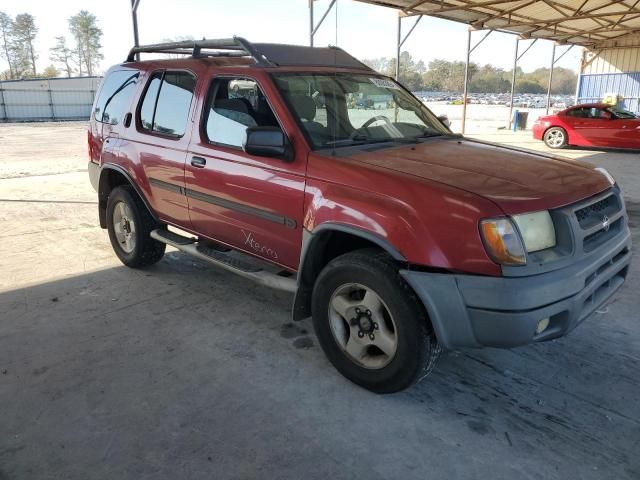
x,y
369,122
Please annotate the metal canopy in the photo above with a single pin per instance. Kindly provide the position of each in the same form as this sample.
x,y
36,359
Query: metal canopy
x,y
590,23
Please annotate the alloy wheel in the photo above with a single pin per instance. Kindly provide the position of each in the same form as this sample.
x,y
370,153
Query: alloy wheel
x,y
363,326
124,227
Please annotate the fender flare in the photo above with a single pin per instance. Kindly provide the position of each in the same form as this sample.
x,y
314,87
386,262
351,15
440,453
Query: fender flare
x,y
102,199
312,240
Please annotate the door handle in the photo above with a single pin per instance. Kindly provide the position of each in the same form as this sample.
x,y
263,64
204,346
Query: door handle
x,y
198,162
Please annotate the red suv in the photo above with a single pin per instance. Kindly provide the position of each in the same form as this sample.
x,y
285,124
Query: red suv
x,y
398,237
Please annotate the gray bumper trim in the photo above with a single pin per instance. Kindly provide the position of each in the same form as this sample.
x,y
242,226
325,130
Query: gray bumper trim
x,y
475,311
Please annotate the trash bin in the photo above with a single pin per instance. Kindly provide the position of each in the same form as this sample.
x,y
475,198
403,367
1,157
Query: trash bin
x,y
520,120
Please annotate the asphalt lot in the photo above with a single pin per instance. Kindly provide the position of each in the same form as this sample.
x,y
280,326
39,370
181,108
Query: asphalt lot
x,y
184,371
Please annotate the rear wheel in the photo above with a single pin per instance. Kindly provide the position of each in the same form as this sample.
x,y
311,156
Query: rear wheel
x,y
370,324
129,224
555,137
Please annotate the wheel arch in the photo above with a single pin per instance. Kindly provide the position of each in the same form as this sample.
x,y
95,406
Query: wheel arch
x,y
112,176
323,244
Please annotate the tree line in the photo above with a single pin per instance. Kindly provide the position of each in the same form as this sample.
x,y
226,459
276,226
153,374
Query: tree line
x,y
445,76
79,57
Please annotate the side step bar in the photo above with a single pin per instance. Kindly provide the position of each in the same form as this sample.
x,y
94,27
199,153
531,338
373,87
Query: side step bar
x,y
232,264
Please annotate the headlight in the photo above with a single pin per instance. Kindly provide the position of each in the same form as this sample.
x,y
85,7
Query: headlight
x,y
502,241
604,172
506,247
537,230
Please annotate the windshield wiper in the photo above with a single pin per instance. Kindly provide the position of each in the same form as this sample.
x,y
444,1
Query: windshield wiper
x,y
357,140
365,140
437,134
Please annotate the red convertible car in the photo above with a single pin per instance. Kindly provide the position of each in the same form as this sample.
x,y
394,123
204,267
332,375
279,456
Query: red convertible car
x,y
592,125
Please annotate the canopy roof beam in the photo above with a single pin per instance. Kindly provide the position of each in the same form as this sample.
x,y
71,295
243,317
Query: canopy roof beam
x,y
580,22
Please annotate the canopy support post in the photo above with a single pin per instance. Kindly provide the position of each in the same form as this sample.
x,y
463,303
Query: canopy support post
x,y
400,41
134,19
466,82
312,27
466,74
553,63
513,80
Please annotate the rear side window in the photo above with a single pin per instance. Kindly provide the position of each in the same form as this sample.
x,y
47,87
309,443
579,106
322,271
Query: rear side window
x,y
166,103
115,96
149,102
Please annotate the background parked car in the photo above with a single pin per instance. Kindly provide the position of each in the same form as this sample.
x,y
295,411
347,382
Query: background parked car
x,y
590,125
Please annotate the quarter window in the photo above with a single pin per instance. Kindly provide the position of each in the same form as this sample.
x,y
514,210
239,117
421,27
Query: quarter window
x,y
166,103
233,105
115,96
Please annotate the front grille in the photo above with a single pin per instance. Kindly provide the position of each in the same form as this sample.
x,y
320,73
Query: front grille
x,y
601,236
592,214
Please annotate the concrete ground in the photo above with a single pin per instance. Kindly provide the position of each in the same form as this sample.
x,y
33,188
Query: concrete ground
x,y
183,371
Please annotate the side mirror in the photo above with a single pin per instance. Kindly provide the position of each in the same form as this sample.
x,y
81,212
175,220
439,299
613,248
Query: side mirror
x,y
445,119
268,142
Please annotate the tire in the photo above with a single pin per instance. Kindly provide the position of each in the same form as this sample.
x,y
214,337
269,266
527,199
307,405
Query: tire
x,y
555,137
398,315
130,212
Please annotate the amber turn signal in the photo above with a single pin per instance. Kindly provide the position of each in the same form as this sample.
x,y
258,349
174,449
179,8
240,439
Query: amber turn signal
x,y
502,242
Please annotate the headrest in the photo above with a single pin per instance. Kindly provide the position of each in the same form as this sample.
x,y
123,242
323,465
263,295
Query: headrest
x,y
304,106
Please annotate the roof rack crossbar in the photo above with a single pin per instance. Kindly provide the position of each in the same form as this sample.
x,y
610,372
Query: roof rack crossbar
x,y
235,46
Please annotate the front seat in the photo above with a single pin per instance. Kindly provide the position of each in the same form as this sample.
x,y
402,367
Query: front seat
x,y
305,107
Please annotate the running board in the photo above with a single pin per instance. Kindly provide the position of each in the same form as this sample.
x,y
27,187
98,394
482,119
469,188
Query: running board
x,y
224,260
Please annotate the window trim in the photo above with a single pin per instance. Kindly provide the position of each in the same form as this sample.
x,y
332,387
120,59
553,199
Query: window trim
x,y
204,115
135,74
152,132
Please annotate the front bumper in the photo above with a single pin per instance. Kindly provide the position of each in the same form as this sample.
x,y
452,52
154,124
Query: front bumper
x,y
477,311
537,130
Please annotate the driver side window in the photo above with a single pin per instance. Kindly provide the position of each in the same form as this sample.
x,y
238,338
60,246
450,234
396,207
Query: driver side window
x,y
233,105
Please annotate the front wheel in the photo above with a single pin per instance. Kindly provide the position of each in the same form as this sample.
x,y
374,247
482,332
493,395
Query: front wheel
x,y
129,224
555,137
370,324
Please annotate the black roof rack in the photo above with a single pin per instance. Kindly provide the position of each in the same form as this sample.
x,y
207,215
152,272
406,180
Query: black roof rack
x,y
264,54
225,47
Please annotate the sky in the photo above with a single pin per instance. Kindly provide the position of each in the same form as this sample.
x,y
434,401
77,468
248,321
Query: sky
x,y
363,30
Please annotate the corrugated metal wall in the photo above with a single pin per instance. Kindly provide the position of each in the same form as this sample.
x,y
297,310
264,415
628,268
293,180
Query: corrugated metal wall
x,y
613,69
47,99
618,60
594,87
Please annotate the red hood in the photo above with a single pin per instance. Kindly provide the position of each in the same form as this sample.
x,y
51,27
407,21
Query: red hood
x,y
516,181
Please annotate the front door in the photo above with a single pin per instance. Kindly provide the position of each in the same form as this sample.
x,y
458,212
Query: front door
x,y
250,203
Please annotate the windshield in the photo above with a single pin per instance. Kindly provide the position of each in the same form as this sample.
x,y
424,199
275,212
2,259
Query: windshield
x,y
620,113
344,109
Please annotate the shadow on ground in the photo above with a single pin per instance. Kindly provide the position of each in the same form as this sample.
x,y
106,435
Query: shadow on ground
x,y
184,371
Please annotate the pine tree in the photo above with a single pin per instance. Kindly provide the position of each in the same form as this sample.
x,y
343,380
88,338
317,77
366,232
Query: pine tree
x,y
88,36
24,34
6,36
62,54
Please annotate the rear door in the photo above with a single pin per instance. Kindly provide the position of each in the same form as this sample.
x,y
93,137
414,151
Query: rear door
x,y
159,144
251,203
